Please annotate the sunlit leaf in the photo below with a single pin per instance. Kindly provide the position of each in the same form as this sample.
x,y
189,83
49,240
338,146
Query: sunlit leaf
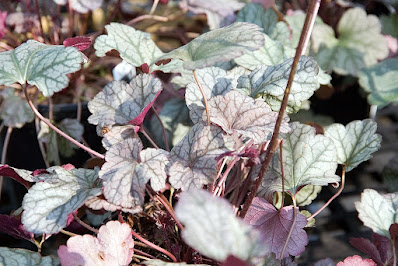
x,y
269,82
307,159
378,212
16,256
359,43
275,226
237,113
44,66
221,233
356,260
355,142
122,103
116,135
218,13
219,45
153,166
193,160
135,47
48,203
272,53
381,81
113,245
307,194
14,111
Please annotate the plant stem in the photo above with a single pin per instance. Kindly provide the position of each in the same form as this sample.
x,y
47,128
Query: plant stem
x,y
68,233
41,146
217,190
333,197
204,97
37,9
394,251
144,17
143,131
291,228
304,38
155,4
282,173
4,154
48,123
166,143
152,245
84,224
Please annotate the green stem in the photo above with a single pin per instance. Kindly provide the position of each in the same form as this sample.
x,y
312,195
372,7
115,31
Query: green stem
x,y
304,38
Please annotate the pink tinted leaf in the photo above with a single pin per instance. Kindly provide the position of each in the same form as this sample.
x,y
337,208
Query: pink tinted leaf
x,y
234,261
13,227
356,261
21,176
113,246
235,112
120,103
275,226
140,118
367,247
3,29
145,68
79,42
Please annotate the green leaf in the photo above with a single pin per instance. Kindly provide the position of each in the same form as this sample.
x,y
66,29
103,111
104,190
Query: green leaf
x,y
307,194
377,212
45,66
381,81
390,24
219,45
73,128
307,159
17,256
272,53
269,82
360,43
14,110
266,19
134,46
355,142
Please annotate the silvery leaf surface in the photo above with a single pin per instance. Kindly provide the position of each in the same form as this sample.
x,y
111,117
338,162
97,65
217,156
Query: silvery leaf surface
x,y
307,159
153,166
45,66
214,82
121,103
116,135
135,47
221,233
48,203
17,256
237,113
121,186
354,142
193,160
269,82
377,211
14,111
381,81
219,45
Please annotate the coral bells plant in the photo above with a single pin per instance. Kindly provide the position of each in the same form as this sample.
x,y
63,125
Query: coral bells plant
x,y
221,175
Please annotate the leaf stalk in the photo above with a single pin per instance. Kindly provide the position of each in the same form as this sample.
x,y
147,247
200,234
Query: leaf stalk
x,y
312,11
204,97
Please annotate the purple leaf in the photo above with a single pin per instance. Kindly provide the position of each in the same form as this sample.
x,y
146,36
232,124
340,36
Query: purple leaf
x,y
367,247
235,112
21,176
275,226
122,103
384,247
193,160
13,227
79,42
234,261
3,29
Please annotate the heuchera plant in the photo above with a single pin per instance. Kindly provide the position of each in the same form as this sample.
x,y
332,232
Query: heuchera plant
x,y
202,184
